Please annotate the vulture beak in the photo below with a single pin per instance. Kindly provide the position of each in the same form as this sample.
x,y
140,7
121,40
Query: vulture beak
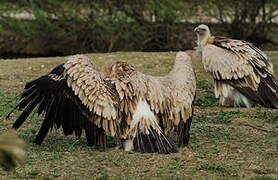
x,y
196,29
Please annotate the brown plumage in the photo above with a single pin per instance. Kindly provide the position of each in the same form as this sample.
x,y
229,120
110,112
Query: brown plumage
x,y
12,150
243,75
122,102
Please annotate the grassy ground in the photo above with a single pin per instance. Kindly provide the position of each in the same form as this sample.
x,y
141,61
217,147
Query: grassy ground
x,y
226,143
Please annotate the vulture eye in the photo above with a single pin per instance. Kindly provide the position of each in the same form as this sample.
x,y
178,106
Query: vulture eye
x,y
202,29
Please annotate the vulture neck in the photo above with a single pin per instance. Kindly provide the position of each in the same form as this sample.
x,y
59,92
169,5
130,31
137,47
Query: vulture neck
x,y
180,64
207,39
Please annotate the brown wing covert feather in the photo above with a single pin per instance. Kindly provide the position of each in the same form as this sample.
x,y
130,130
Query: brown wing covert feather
x,y
244,67
96,92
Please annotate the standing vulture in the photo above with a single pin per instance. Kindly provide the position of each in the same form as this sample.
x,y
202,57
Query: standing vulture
x,y
121,102
243,75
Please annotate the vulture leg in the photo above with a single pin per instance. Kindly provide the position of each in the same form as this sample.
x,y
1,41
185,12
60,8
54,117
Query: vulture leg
x,y
183,132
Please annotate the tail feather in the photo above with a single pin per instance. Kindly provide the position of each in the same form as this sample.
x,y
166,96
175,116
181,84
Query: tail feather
x,y
162,143
143,143
154,142
268,89
145,134
168,144
266,95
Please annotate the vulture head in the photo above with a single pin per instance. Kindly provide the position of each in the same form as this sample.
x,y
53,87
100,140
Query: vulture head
x,y
203,34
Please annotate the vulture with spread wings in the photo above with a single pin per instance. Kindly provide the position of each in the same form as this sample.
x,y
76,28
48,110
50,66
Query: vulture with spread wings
x,y
242,73
121,102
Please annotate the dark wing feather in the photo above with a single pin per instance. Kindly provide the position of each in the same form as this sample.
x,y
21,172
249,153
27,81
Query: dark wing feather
x,y
75,97
244,67
265,95
49,96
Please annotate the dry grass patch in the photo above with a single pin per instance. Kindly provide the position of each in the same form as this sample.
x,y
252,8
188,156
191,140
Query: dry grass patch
x,y
226,143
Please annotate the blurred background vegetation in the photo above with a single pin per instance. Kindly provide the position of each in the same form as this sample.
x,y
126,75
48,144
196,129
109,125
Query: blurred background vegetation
x,y
63,27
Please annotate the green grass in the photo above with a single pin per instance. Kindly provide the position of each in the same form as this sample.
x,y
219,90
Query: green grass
x,y
263,178
217,117
205,94
217,167
267,117
222,146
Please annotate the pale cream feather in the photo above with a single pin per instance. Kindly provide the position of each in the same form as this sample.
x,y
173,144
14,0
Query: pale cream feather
x,y
169,97
234,63
114,97
91,88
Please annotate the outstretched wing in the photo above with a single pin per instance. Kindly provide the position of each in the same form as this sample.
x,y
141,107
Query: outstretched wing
x,y
96,92
244,67
181,85
179,89
66,98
